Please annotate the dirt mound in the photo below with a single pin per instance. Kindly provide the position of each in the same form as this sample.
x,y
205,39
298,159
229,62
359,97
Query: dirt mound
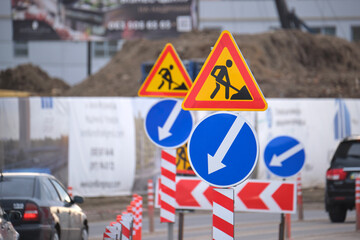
x,y
284,63
32,79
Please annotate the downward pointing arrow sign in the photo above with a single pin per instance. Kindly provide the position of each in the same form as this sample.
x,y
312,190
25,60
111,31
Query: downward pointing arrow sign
x,y
164,131
276,161
215,162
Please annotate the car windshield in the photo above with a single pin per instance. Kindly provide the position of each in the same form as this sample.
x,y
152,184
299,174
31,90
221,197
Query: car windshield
x,y
347,154
17,187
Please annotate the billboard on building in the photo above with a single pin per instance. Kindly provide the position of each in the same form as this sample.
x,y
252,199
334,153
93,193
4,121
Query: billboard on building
x,y
85,20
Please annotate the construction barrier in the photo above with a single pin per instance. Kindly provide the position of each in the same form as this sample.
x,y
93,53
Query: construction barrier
x,y
112,232
287,226
137,211
150,203
168,186
128,225
357,202
300,208
70,191
223,214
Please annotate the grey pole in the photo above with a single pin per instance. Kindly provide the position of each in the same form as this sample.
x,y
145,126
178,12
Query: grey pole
x,y
170,231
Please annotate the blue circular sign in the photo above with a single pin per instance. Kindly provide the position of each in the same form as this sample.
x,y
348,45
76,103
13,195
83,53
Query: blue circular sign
x,y
167,124
223,149
284,156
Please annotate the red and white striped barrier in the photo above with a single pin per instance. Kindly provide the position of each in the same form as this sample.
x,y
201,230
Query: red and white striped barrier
x,y
287,226
150,194
70,191
223,214
357,202
139,208
168,186
137,211
250,196
112,232
150,203
126,224
299,197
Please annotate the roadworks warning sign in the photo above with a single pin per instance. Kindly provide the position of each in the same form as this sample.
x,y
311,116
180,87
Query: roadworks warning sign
x,y
225,81
167,78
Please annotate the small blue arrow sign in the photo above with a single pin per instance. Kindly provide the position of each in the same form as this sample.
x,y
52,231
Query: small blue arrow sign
x,y
223,149
284,156
167,125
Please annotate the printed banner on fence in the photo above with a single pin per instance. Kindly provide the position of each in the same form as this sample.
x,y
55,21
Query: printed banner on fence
x,y
101,147
319,124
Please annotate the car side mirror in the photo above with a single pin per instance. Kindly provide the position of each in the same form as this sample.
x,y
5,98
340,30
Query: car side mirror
x,y
78,199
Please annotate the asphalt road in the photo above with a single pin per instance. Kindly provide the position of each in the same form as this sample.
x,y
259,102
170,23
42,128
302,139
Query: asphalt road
x,y
254,226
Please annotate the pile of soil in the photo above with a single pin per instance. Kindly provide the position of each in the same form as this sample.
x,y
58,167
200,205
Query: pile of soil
x,y
30,78
285,63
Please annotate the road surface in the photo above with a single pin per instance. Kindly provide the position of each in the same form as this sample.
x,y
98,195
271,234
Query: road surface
x,y
254,226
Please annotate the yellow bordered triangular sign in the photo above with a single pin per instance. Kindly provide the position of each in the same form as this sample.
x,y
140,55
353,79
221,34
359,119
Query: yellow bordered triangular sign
x,y
225,81
167,78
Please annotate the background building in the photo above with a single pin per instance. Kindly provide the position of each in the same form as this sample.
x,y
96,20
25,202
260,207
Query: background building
x,y
68,60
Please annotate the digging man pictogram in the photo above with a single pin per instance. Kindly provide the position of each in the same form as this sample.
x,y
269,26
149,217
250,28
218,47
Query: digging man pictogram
x,y
222,70
166,76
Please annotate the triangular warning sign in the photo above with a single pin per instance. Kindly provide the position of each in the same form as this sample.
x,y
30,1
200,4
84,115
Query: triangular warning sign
x,y
167,78
225,81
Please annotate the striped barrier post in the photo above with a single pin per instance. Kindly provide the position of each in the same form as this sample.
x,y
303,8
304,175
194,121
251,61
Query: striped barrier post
x,y
223,214
150,202
300,208
357,201
112,232
129,210
70,191
287,226
137,211
126,222
108,235
135,221
168,186
117,227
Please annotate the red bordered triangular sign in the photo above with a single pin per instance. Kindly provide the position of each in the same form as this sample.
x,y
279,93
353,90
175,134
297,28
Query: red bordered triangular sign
x,y
225,81
167,78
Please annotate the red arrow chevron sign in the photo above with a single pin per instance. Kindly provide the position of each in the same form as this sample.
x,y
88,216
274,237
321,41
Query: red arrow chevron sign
x,y
250,196
266,196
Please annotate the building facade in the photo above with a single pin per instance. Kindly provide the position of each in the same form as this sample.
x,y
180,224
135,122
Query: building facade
x,y
68,60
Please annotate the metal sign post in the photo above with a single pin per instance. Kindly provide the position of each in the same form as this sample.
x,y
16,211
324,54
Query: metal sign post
x,y
181,225
284,156
223,213
227,159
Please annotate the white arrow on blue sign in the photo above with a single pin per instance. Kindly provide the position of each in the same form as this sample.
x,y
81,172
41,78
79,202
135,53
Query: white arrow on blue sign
x,y
223,149
167,125
284,156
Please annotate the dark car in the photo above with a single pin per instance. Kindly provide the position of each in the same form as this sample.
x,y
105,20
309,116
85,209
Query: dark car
x,y
340,179
46,209
7,231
